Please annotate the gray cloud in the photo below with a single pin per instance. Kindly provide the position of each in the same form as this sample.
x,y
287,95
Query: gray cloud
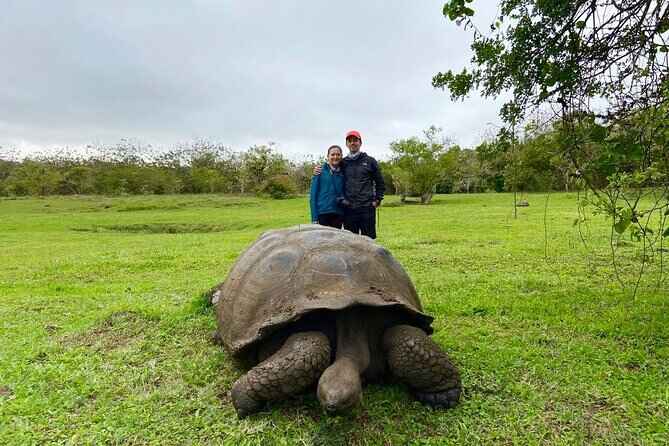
x,y
294,72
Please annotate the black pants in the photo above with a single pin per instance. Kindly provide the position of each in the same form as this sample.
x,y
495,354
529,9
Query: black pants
x,y
361,221
332,220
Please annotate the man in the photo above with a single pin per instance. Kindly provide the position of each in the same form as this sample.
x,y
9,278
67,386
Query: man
x,y
364,187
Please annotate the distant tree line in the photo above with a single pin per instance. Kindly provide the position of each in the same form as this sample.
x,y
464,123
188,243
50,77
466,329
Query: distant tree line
x,y
129,168
423,166
631,153
529,161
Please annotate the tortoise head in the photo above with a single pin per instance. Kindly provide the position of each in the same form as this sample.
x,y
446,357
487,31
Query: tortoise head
x,y
339,387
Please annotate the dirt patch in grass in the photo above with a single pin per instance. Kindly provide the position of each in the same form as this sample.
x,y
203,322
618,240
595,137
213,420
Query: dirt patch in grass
x,y
150,207
5,392
186,204
224,396
39,358
632,366
118,330
596,426
411,201
51,328
430,242
163,228
595,420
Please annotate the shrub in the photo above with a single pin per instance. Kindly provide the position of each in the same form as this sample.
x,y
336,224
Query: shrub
x,y
279,187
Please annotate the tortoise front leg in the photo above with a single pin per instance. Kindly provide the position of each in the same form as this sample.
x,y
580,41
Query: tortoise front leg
x,y
418,361
290,371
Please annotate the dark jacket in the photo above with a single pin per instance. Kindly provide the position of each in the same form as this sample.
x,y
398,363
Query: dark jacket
x,y
325,189
364,182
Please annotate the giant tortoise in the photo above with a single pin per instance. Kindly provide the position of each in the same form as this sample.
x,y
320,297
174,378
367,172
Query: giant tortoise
x,y
312,304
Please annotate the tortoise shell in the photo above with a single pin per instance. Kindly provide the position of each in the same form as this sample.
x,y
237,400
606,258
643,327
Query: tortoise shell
x,y
288,273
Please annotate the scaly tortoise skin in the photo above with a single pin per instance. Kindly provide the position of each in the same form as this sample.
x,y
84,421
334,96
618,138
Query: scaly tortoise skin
x,y
315,305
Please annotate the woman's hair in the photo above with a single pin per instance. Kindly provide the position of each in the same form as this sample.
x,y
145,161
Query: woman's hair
x,y
334,147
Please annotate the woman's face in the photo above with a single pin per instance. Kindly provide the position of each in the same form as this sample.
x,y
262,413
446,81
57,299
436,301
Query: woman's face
x,y
334,157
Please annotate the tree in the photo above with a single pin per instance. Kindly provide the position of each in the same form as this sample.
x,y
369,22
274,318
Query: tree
x,y
586,59
302,172
278,187
79,180
564,52
491,161
33,178
453,174
260,163
602,66
213,168
6,168
468,172
418,164
602,58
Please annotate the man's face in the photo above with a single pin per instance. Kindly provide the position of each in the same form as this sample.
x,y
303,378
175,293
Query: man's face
x,y
353,143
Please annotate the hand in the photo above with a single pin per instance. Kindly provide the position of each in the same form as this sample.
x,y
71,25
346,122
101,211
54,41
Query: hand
x,y
343,202
376,203
318,169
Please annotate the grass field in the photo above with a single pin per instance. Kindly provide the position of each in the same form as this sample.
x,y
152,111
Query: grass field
x,y
105,336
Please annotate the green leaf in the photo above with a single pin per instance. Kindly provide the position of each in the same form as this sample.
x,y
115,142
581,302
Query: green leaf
x,y
446,10
624,221
598,133
665,233
663,26
620,226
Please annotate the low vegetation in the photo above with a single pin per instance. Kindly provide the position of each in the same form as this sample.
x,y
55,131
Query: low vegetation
x,y
106,331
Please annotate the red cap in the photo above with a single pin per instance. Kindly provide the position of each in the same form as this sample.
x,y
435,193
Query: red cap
x,y
354,133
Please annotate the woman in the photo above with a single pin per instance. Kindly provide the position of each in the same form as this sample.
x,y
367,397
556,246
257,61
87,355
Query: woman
x,y
327,192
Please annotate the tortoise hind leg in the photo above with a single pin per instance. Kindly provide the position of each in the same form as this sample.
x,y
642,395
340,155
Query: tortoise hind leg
x,y
290,371
418,361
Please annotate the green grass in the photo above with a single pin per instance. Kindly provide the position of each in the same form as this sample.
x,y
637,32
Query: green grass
x,y
105,338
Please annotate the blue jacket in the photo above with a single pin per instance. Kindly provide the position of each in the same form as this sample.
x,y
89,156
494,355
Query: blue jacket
x,y
325,188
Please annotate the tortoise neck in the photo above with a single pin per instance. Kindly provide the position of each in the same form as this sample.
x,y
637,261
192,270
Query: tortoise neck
x,y
353,337
340,385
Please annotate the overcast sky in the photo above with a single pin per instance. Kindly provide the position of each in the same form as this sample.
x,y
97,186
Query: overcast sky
x,y
298,73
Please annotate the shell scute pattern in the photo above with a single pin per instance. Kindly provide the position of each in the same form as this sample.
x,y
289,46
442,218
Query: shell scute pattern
x,y
291,272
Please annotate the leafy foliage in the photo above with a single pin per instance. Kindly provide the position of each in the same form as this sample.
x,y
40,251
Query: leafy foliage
x,y
279,187
565,52
130,168
418,165
260,163
601,67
